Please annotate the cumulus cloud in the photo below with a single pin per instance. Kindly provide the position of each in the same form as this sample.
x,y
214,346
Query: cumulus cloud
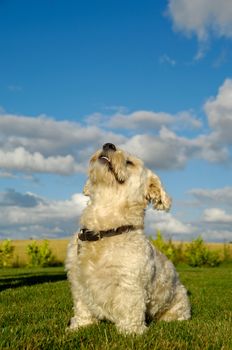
x,y
219,112
26,215
170,151
202,17
21,160
13,198
214,207
159,152
216,235
43,145
222,196
167,224
143,120
217,215
49,136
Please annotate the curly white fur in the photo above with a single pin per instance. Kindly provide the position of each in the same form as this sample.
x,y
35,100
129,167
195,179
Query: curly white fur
x,y
122,278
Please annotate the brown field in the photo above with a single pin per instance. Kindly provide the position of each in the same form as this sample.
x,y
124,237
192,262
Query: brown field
x,y
59,248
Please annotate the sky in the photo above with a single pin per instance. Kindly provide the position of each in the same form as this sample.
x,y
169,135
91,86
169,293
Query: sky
x,y
153,77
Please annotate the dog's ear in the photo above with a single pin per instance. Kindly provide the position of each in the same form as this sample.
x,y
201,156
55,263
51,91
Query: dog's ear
x,y
155,193
86,189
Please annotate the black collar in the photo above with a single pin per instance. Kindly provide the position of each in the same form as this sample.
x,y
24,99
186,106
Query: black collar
x,y
88,235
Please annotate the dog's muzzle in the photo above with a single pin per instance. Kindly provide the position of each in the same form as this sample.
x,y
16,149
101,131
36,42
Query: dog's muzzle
x,y
109,147
106,149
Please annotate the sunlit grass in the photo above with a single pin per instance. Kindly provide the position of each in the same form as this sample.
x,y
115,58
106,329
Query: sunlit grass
x,y
36,307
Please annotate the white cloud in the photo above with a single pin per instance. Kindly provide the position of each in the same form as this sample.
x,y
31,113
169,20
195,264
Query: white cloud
x,y
219,112
143,120
170,151
140,120
167,224
21,160
160,152
43,216
216,235
47,135
13,198
202,17
217,215
220,196
43,145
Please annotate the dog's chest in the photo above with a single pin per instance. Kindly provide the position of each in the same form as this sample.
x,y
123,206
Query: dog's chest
x,y
111,260
94,259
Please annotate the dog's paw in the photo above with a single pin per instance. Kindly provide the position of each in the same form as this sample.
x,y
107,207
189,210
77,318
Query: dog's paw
x,y
132,330
75,323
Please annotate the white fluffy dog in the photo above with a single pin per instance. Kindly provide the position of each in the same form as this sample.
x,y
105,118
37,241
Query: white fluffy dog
x,y
114,271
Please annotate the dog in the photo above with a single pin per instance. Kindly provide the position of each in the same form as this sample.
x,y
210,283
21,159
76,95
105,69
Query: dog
x,y
115,272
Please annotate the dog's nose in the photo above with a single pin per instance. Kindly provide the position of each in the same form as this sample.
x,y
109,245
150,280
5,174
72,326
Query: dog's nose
x,y
109,147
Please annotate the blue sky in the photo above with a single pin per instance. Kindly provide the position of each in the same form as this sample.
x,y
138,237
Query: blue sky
x,y
154,77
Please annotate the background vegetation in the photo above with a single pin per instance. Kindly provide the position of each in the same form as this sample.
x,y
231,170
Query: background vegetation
x,y
195,253
52,253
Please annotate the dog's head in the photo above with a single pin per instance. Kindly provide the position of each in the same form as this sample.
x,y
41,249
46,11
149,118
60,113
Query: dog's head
x,y
123,173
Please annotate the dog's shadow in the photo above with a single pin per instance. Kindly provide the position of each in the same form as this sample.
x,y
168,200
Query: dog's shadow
x,y
30,278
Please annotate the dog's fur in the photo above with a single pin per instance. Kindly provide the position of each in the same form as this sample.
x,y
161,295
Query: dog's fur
x,y
122,278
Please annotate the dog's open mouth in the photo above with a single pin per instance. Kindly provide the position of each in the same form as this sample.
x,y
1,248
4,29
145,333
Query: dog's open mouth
x,y
104,159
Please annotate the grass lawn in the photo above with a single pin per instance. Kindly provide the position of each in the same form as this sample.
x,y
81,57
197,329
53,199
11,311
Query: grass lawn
x,y
35,307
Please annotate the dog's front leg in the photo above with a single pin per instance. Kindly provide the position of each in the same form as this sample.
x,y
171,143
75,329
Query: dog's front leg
x,y
129,311
82,316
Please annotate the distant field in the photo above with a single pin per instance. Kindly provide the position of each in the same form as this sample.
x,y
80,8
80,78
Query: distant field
x,y
59,248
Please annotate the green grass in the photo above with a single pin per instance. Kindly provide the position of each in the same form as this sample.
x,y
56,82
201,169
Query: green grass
x,y
36,305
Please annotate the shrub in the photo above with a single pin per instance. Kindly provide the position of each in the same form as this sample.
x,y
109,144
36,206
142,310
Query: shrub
x,y
227,256
197,254
40,255
168,248
6,253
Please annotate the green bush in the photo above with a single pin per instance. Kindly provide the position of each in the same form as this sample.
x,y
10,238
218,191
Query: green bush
x,y
6,253
197,254
227,256
168,248
40,255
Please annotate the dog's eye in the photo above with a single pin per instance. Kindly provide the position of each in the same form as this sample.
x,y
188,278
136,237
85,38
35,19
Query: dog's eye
x,y
129,162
